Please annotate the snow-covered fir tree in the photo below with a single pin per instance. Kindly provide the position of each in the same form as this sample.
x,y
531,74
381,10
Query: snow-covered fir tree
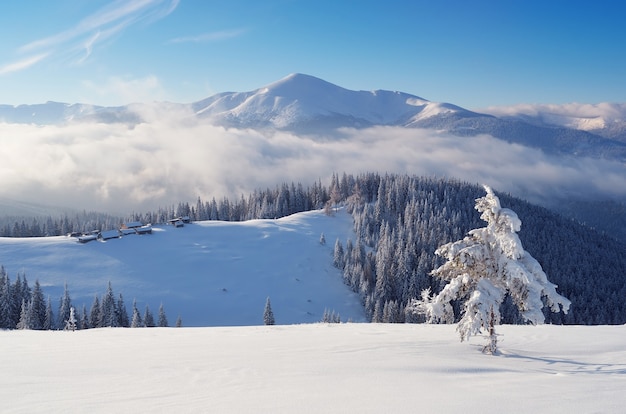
x,y
95,314
148,318
38,307
48,322
162,321
108,313
330,316
25,321
65,304
268,314
70,324
481,269
136,321
122,313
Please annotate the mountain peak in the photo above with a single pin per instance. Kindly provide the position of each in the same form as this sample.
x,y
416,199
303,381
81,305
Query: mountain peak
x,y
298,85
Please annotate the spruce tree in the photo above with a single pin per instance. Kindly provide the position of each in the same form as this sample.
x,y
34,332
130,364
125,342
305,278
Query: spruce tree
x,y
39,307
109,317
48,321
83,322
162,317
95,314
6,317
65,304
148,319
122,314
25,316
480,269
136,321
268,314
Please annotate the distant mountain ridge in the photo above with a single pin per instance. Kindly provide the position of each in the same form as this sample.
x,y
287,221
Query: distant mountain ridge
x,y
305,104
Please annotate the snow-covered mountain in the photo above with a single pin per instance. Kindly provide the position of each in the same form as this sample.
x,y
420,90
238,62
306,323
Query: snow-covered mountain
x,y
305,104
605,119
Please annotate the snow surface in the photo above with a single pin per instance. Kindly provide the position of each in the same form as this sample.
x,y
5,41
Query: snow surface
x,y
314,368
210,273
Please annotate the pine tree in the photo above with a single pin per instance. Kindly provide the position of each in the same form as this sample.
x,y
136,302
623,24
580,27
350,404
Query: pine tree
x,y
70,324
108,314
148,319
338,255
65,304
5,301
162,317
95,314
25,316
268,314
122,314
482,268
179,322
39,307
83,323
136,321
48,321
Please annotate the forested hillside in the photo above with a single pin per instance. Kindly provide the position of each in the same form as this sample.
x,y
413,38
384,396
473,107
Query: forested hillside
x,y
399,221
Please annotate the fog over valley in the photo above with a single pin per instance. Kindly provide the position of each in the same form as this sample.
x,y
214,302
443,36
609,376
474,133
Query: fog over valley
x,y
175,157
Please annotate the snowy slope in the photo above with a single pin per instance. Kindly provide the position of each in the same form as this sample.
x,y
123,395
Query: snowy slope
x,y
210,273
315,368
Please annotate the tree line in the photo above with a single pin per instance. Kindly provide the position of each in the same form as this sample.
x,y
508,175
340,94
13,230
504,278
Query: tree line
x,y
23,307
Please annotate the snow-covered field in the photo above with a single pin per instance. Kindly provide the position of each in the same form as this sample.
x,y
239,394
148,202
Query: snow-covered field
x,y
314,368
210,273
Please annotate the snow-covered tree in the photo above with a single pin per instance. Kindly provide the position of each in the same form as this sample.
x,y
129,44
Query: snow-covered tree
x,y
6,320
179,322
70,324
38,307
122,314
48,322
268,314
481,269
136,321
162,317
65,304
108,314
25,316
148,318
95,314
330,317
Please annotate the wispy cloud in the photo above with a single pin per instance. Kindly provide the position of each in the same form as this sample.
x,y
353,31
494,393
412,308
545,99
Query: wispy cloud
x,y
22,64
209,37
93,29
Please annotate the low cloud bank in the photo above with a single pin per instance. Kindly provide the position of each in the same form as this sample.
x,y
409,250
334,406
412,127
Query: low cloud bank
x,y
117,168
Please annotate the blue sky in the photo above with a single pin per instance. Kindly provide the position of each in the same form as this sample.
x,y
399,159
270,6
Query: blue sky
x,y
472,54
